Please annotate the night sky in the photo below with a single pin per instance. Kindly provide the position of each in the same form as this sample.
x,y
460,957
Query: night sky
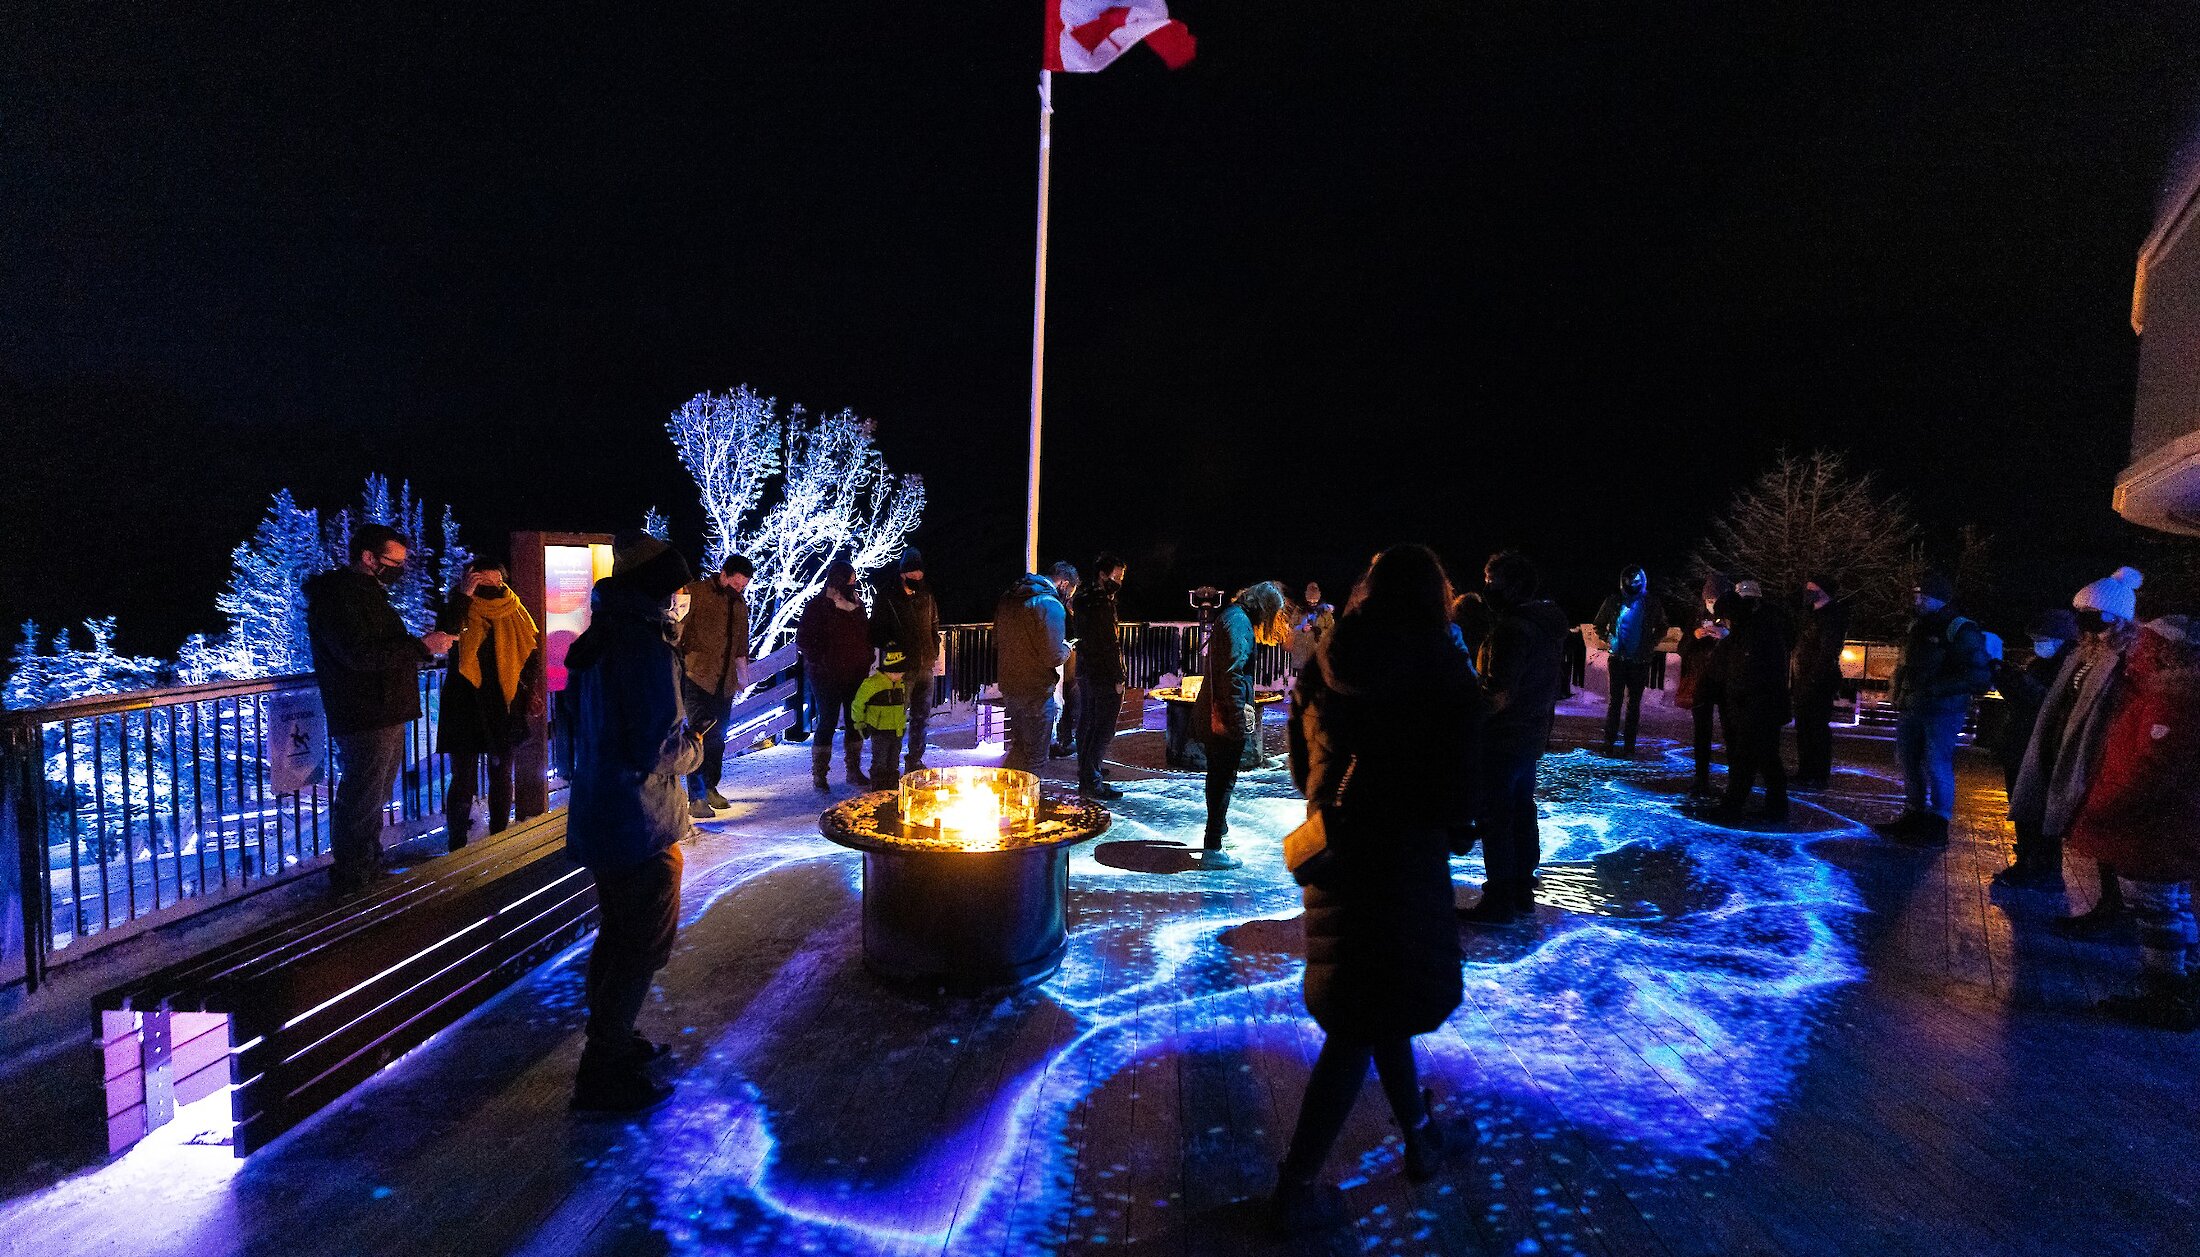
x,y
1559,276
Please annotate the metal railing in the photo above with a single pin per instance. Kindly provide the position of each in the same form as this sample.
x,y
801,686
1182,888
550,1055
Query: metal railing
x,y
126,807
1150,650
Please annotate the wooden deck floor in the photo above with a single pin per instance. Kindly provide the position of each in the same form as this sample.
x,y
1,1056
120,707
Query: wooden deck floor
x,y
1712,1042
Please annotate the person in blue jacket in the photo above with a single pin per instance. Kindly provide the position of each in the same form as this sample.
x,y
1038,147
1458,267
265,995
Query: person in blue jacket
x,y
628,811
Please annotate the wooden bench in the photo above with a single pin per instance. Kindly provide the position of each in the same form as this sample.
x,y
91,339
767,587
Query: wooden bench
x,y
296,1014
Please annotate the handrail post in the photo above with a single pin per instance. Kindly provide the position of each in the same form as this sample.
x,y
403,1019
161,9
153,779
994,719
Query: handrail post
x,y
23,816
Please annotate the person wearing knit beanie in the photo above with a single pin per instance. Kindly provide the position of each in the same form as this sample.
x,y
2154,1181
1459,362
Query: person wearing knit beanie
x,y
648,566
2115,596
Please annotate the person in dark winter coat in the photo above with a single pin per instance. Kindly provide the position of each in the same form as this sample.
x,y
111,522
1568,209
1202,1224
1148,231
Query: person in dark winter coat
x,y
1751,667
834,639
1225,714
2141,816
1522,666
906,617
1944,666
491,692
1383,732
1814,678
1632,624
1031,641
1100,674
1700,640
714,661
367,664
2025,685
628,810
2067,740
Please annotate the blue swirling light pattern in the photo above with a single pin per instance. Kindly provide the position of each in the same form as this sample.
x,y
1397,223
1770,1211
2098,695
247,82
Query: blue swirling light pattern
x,y
1698,953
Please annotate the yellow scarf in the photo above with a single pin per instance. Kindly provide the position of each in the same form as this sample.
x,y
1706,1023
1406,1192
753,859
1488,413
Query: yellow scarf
x,y
515,635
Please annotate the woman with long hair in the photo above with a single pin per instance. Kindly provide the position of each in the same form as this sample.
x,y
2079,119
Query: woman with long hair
x,y
1383,730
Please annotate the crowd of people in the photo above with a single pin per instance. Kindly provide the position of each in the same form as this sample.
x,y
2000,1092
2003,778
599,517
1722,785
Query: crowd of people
x,y
1418,719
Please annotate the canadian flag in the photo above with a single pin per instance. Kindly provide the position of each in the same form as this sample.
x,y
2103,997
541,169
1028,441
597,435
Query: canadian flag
x,y
1085,35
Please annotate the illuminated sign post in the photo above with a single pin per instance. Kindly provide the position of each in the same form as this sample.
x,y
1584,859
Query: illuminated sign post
x,y
553,573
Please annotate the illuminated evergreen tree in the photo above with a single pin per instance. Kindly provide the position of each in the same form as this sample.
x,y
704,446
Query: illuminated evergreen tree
x,y
1811,516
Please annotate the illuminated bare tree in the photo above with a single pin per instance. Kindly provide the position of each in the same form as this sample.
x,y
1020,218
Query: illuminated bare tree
x,y
1808,516
830,493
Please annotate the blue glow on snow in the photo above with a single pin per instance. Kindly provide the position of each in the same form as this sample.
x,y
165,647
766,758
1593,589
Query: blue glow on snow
x,y
1663,1003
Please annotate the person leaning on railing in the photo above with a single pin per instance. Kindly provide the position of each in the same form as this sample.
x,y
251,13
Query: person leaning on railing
x,y
367,664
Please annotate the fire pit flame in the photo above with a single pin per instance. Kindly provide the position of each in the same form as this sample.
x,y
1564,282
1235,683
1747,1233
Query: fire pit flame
x,y
973,807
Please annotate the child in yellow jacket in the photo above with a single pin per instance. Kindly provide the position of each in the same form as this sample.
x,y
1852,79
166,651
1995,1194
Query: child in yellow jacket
x,y
881,711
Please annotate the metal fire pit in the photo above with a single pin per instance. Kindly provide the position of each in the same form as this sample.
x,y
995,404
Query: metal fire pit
x,y
939,914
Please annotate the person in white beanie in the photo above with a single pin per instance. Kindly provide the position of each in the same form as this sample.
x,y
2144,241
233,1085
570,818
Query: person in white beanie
x,y
2065,750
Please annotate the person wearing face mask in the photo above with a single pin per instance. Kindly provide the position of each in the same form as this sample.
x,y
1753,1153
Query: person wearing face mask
x,y
2024,685
367,664
1696,690
1632,624
491,691
714,660
1815,680
834,638
2064,752
905,615
627,811
1944,666
1100,674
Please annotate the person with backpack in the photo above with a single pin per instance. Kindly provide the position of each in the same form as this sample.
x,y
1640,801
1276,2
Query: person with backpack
x,y
1945,664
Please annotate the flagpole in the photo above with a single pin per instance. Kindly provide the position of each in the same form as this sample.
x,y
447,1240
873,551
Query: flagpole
x,y
1038,323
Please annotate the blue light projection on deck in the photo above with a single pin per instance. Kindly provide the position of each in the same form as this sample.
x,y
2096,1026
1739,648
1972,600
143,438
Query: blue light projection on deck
x,y
1699,952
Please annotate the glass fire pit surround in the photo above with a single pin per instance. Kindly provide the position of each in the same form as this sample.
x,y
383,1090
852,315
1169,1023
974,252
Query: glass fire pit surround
x,y
965,875
974,809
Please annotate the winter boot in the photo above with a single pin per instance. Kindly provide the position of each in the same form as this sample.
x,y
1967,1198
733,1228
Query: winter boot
x,y
1496,908
700,810
1929,830
1425,1142
2105,919
717,801
1900,827
1303,1207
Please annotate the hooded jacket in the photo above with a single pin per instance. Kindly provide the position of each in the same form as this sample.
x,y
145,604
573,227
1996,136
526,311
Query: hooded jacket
x,y
2142,808
2065,748
630,740
1225,705
1523,665
1400,708
365,660
1030,636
